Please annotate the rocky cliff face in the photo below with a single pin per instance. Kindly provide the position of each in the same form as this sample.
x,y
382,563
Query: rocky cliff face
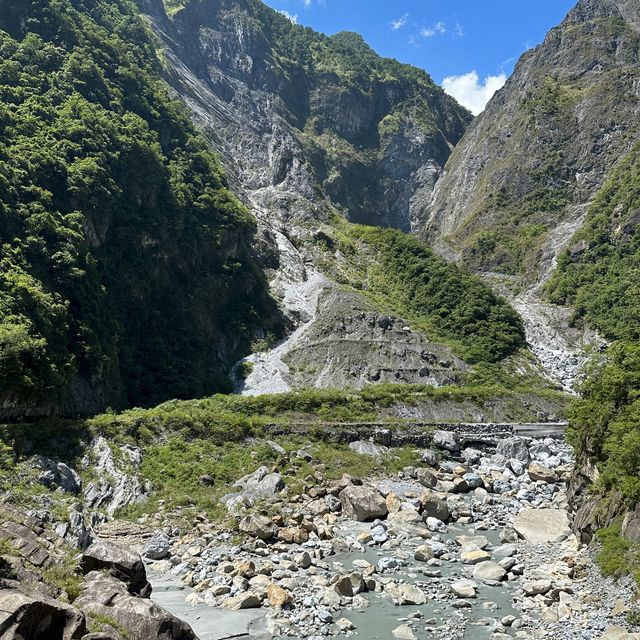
x,y
533,160
306,123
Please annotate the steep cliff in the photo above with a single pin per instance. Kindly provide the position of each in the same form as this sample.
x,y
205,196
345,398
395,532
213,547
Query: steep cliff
x,y
305,122
531,163
127,273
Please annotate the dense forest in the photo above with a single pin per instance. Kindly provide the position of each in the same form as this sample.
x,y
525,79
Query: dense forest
x,y
125,276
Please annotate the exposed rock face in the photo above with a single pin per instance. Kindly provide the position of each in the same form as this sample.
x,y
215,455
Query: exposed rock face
x,y
104,595
124,565
278,116
118,484
546,140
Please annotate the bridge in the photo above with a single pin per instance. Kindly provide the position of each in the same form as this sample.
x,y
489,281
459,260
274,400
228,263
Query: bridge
x,y
399,433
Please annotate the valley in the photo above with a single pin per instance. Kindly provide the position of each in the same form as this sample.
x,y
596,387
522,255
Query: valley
x,y
294,346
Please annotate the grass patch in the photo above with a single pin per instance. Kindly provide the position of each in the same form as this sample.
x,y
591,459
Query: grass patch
x,y
65,577
618,556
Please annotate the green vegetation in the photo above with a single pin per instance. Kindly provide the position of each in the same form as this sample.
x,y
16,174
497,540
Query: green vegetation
x,y
402,274
618,557
175,469
116,224
65,577
600,274
605,421
99,623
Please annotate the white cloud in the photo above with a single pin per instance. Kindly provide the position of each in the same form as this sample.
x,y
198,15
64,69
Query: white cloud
x,y
437,29
306,3
286,14
458,30
396,25
471,92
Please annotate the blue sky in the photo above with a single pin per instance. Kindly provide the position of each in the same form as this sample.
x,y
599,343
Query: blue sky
x,y
451,39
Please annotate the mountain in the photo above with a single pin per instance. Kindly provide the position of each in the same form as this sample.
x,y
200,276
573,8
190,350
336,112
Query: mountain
x,y
305,123
518,184
148,247
128,272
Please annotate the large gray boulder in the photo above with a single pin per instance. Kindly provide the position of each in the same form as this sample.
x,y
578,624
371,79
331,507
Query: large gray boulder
x,y
120,563
259,527
542,525
25,615
157,547
363,503
56,474
143,619
368,448
433,506
515,447
445,440
259,485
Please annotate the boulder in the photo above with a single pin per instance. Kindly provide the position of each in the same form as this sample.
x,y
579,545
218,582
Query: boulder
x,y
362,503
260,485
429,457
344,587
489,571
405,594
259,527
445,440
277,596
619,633
246,600
368,448
157,547
540,473
25,615
464,588
122,564
423,553
515,447
536,587
542,525
427,478
433,506
404,632
103,595
473,555
56,474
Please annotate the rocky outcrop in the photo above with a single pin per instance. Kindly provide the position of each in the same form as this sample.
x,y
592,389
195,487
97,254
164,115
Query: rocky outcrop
x,y
127,567
104,595
291,130
546,141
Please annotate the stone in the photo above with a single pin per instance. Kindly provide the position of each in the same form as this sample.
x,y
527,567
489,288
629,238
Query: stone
x,y
345,625
404,632
536,587
427,478
56,474
259,527
473,555
489,571
368,448
514,447
423,553
542,525
619,608
464,588
260,485
277,596
157,547
246,600
433,506
405,594
473,480
122,564
540,473
362,503
103,595
619,633
344,587
445,440
429,457
481,542
25,615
